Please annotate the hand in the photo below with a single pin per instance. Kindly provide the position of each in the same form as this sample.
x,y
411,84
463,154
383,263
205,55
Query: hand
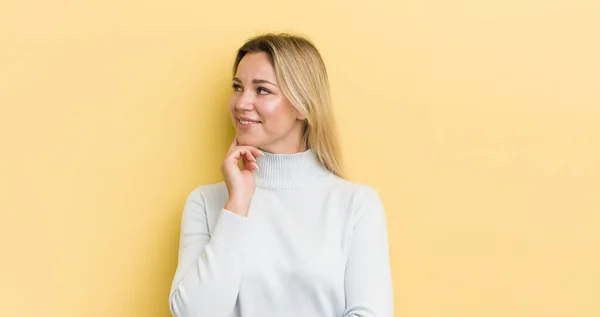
x,y
240,182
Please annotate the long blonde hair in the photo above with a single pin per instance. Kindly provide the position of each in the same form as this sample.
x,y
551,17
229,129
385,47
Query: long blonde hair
x,y
302,76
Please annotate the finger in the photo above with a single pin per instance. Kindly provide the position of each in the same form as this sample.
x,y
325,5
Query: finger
x,y
233,145
245,163
235,157
255,152
248,155
242,158
244,152
249,165
249,152
252,166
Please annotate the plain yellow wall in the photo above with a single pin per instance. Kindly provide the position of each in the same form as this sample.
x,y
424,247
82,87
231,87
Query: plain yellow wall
x,y
477,121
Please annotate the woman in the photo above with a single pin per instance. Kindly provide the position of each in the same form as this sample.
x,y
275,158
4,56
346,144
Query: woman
x,y
284,235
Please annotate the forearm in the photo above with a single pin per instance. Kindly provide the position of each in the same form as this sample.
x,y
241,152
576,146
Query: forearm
x,y
210,287
210,283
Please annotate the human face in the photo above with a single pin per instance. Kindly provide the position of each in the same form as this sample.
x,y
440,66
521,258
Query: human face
x,y
262,115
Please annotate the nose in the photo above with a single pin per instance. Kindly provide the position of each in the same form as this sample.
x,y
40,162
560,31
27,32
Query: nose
x,y
245,102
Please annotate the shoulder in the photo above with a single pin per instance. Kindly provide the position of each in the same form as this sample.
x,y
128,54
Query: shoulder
x,y
206,194
355,190
360,195
206,191
203,203
364,204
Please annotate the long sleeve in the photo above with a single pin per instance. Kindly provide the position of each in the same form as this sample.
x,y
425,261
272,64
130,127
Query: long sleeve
x,y
208,275
368,280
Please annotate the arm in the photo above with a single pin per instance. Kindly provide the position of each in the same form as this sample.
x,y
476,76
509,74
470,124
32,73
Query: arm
x,y
208,274
368,279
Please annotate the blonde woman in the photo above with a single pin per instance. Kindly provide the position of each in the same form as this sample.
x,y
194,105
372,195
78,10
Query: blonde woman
x,y
284,234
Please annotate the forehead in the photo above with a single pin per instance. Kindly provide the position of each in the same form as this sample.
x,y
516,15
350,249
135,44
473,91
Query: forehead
x,y
255,65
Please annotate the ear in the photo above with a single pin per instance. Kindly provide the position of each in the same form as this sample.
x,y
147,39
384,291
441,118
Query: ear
x,y
300,116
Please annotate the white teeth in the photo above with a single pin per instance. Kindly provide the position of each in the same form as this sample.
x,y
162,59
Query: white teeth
x,y
246,122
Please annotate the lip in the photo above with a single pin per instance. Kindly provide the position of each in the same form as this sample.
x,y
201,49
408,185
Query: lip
x,y
246,126
247,119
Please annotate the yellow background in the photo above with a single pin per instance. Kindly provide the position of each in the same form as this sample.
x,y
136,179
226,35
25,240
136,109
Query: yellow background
x,y
477,121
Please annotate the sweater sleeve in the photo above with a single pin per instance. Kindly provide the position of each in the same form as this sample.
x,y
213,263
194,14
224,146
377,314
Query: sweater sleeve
x,y
368,279
208,274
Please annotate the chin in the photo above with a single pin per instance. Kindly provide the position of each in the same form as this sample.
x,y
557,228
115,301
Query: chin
x,y
245,140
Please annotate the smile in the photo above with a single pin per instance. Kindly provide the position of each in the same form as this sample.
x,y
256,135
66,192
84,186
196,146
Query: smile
x,y
244,122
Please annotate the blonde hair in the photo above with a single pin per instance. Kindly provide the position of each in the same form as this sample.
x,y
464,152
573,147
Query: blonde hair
x,y
302,76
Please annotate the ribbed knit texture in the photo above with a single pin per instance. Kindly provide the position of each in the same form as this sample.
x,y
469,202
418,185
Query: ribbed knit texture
x,y
228,230
288,171
312,245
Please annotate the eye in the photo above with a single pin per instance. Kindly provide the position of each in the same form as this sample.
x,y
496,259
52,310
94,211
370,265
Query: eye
x,y
262,91
236,87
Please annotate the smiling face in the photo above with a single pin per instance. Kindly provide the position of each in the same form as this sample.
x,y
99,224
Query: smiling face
x,y
262,115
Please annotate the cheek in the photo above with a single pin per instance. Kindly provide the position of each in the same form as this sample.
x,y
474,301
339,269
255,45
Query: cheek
x,y
276,112
232,102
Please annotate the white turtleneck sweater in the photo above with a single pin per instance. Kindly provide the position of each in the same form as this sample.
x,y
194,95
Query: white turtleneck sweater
x,y
312,244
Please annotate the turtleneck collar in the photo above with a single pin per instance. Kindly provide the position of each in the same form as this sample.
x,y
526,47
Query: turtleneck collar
x,y
288,171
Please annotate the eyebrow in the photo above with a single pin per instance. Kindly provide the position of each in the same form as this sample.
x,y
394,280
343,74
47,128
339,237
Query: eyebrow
x,y
256,81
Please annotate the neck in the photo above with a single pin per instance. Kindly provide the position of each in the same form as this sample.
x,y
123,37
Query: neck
x,y
288,171
283,150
